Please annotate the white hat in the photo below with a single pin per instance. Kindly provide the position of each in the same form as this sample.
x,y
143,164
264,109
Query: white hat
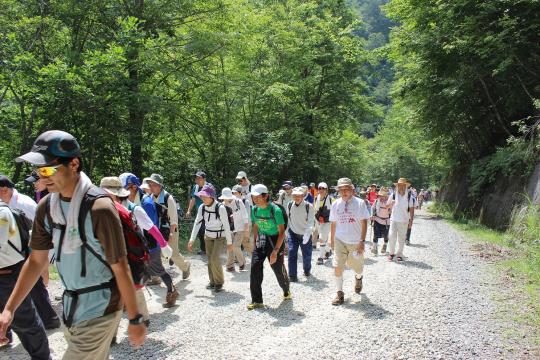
x,y
226,194
241,175
323,185
298,191
259,189
145,186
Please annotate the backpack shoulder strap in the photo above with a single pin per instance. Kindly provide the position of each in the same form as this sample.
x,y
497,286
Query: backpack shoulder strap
x,y
307,211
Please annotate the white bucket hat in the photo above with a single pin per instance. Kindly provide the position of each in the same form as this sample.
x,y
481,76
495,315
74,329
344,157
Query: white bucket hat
x,y
226,194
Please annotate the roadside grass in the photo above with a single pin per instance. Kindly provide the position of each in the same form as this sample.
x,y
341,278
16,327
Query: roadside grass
x,y
516,254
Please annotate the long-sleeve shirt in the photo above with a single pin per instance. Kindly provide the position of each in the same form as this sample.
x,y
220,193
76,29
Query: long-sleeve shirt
x,y
214,227
240,214
300,221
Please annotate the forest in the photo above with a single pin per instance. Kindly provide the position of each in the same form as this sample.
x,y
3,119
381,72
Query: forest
x,y
303,90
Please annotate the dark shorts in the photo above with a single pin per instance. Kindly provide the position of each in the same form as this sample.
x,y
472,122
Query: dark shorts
x,y
380,231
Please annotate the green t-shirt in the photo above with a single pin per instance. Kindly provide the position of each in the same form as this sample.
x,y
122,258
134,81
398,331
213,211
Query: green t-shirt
x,y
264,219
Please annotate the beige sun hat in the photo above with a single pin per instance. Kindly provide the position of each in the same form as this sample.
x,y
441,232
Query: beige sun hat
x,y
403,181
344,183
383,192
113,185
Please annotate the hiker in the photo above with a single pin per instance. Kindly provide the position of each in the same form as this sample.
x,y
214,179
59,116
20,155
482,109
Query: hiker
x,y
307,195
91,260
420,198
323,203
372,194
200,182
363,195
40,190
247,244
120,195
168,221
26,322
240,233
380,220
313,190
286,196
301,217
39,293
269,233
348,219
244,182
217,231
401,219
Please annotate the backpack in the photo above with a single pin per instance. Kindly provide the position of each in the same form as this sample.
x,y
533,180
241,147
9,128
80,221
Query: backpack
x,y
307,210
136,245
163,210
323,211
408,199
273,213
230,216
24,225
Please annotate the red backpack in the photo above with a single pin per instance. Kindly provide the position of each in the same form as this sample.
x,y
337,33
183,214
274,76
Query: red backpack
x,y
136,246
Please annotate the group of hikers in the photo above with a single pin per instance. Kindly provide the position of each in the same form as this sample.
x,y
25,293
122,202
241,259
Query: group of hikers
x,y
109,241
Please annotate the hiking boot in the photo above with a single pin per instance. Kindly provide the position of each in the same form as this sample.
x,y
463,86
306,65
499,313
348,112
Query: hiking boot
x,y
242,267
218,288
307,274
287,295
320,261
230,269
383,249
210,286
185,274
170,299
54,323
328,254
293,278
340,298
155,280
374,249
252,306
358,285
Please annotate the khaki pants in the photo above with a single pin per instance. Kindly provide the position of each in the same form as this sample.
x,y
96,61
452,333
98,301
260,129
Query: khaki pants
x,y
214,248
344,255
238,238
91,339
141,303
176,256
398,233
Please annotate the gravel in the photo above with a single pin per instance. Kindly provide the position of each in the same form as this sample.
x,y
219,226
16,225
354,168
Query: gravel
x,y
438,304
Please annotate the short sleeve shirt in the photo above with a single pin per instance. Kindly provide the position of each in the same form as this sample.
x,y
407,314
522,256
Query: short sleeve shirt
x,y
267,225
347,216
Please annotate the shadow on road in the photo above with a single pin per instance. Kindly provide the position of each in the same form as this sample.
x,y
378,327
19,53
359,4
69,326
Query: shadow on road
x,y
285,315
369,309
223,298
124,350
314,282
416,264
420,246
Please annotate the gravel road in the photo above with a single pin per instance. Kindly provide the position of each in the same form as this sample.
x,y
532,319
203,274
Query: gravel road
x,y
438,304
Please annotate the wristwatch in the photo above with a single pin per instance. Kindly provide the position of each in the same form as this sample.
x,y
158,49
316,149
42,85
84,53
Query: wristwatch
x,y
137,320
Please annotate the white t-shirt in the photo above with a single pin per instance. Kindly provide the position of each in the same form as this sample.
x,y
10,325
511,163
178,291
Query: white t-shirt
x,y
9,231
142,218
347,216
399,207
240,214
23,203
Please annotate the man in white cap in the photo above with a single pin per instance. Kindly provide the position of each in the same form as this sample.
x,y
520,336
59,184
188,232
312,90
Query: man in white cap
x,y
348,227
241,228
323,203
402,203
244,182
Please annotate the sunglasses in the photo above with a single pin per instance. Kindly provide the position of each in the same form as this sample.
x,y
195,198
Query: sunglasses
x,y
323,188
47,171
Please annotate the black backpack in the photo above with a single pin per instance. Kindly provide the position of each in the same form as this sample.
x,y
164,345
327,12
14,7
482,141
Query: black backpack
x,y
230,216
273,213
24,225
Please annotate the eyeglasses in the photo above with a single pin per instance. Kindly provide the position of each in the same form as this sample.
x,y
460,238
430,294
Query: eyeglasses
x,y
323,188
47,171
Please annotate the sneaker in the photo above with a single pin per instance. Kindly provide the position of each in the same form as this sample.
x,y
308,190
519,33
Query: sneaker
x,y
328,254
218,288
383,249
320,261
170,299
293,278
391,257
252,306
242,267
307,274
54,323
155,280
230,269
358,285
374,249
210,286
185,274
340,298
287,295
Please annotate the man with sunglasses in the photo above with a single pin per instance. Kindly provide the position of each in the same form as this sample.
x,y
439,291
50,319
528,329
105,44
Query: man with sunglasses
x,y
91,260
348,227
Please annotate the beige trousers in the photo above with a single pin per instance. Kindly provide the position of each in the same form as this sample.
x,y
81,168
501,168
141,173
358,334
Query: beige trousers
x,y
214,248
238,238
178,259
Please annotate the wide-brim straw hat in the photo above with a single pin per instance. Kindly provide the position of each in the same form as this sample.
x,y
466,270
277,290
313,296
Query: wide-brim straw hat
x,y
403,181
